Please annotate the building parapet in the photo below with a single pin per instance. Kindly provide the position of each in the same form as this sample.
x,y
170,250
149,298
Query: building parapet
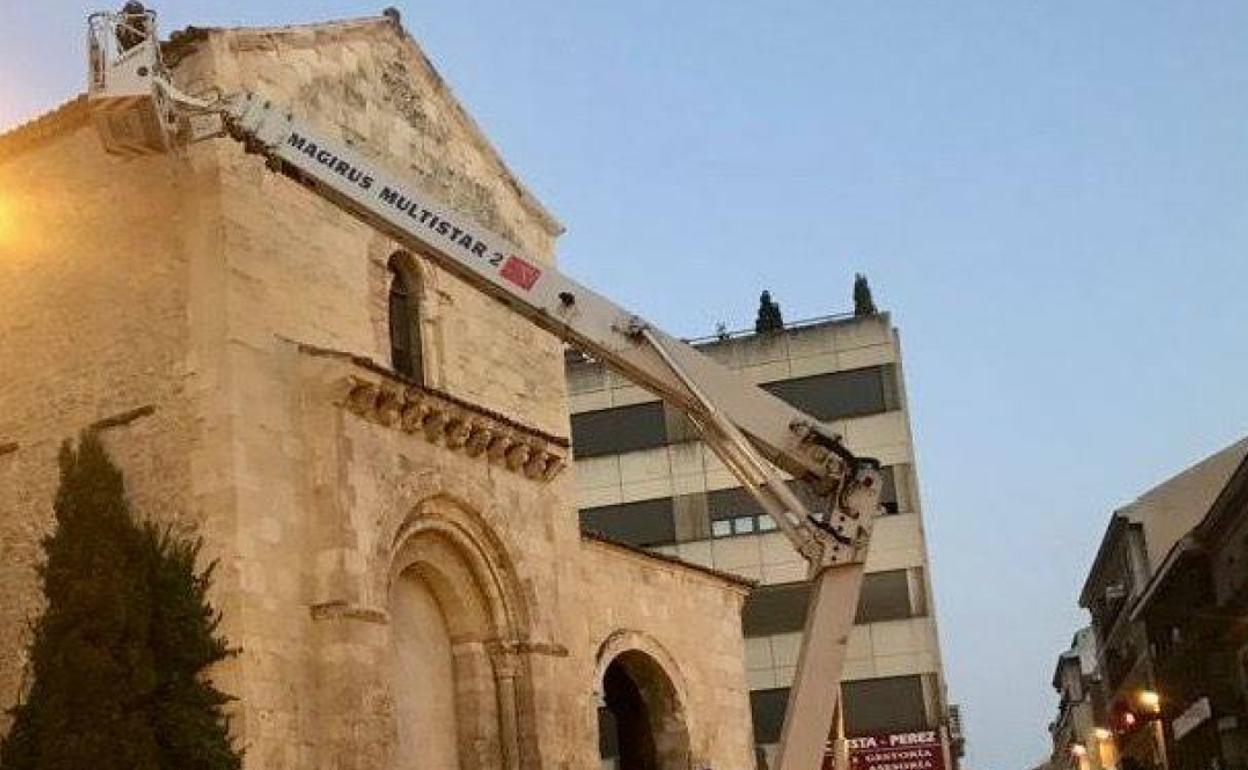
x,y
573,356
805,323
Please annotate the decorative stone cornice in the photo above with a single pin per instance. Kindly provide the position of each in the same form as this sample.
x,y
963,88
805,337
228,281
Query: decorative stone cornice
x,y
385,397
503,649
342,610
456,425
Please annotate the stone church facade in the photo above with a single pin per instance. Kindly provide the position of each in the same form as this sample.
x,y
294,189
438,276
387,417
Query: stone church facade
x,y
376,454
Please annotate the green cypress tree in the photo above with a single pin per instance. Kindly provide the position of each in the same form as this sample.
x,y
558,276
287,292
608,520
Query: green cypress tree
x,y
188,715
864,305
91,664
117,657
769,318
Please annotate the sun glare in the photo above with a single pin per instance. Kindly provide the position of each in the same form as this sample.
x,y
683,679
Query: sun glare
x,y
23,227
6,220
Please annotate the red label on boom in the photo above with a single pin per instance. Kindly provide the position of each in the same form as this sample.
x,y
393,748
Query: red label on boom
x,y
520,273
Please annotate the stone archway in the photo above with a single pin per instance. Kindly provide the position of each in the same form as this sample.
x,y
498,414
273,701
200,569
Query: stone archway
x,y
451,618
641,715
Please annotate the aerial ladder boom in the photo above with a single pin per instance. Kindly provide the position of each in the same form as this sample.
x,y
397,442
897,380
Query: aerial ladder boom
x,y
138,111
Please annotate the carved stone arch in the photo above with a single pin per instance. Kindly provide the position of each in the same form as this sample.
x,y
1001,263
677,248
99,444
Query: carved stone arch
x,y
624,640
444,559
421,272
640,685
465,515
469,556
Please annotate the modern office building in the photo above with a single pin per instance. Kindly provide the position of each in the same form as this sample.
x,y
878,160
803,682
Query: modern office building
x,y
644,478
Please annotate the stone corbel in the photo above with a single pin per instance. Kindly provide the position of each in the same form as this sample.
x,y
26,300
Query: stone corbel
x,y
455,425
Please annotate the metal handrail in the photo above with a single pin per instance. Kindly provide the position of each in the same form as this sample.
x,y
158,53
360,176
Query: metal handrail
x,y
576,356
739,333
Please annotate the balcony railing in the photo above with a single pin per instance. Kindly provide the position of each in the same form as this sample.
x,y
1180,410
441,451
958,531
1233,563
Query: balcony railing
x,y
805,323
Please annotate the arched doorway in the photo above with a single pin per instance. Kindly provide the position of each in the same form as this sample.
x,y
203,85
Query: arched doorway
x,y
454,678
424,670
641,721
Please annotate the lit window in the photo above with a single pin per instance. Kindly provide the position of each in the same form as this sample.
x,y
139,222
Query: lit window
x,y
766,524
743,525
721,528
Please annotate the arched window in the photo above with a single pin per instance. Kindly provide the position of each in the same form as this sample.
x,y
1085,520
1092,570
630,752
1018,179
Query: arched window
x,y
641,720
405,347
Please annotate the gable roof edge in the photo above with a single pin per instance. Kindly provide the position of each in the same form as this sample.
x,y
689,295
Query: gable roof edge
x,y
740,583
184,40
550,223
61,120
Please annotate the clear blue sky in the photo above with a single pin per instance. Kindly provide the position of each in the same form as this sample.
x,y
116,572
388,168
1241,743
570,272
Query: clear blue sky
x,y
1051,197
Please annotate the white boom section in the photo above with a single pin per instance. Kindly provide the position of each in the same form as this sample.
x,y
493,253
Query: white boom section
x,y
816,681
551,300
138,111
672,369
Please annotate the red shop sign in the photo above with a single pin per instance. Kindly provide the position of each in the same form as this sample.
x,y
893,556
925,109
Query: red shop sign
x,y
921,750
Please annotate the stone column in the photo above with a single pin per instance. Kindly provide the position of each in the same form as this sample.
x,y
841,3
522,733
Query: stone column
x,y
506,671
478,706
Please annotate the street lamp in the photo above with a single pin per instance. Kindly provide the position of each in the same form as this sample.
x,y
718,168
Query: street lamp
x,y
1080,754
1150,702
1106,748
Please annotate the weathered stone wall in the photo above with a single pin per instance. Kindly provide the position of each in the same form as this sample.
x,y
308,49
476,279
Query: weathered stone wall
x,y
380,500
689,623
98,261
